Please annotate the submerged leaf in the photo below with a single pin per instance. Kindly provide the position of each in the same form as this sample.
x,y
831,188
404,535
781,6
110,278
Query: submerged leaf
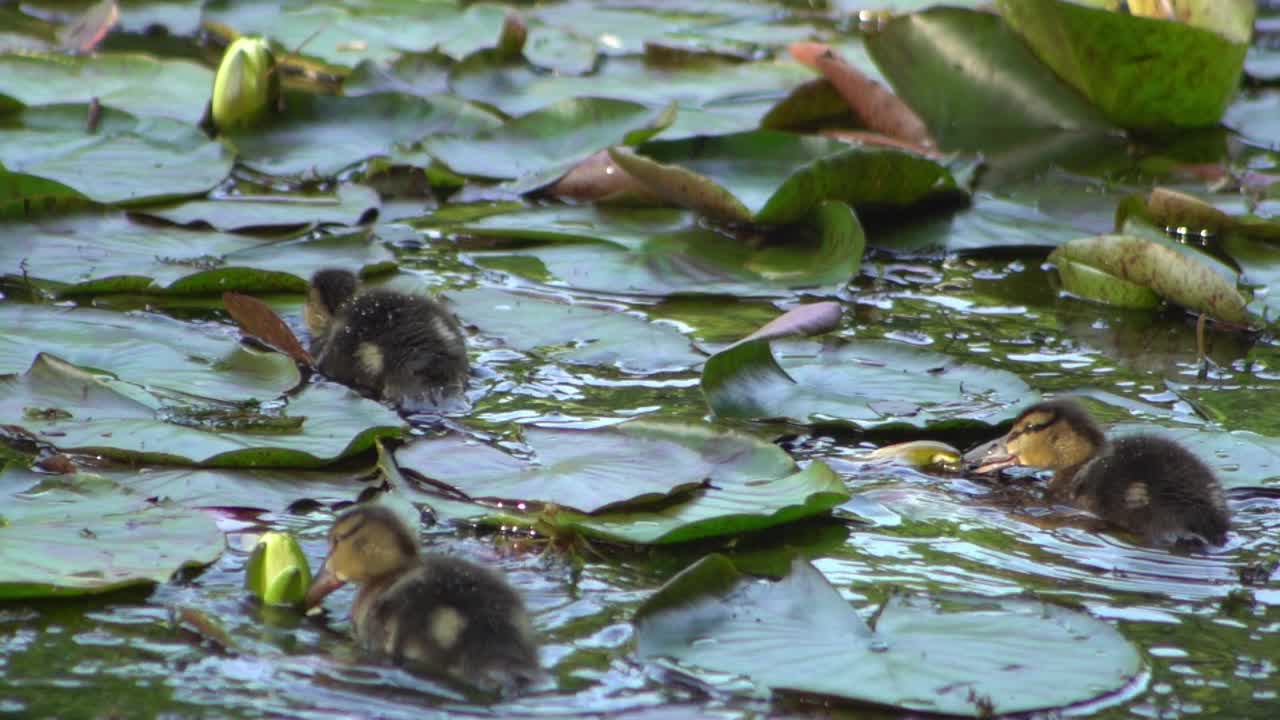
x,y
956,655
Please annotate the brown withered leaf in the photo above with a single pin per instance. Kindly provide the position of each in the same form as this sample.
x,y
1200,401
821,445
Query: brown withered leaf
x,y
599,179
258,319
878,108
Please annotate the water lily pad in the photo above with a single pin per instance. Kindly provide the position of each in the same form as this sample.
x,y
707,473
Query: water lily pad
x,y
124,160
1172,274
1141,72
955,655
593,336
549,141
92,254
79,535
864,384
348,205
725,483
973,80
138,84
767,176
661,252
58,404
321,135
147,350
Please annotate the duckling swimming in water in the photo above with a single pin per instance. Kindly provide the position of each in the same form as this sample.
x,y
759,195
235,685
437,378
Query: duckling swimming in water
x,y
436,613
1147,484
397,346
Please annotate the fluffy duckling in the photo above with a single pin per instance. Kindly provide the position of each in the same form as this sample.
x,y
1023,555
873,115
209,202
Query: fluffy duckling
x,y
400,347
1144,483
435,613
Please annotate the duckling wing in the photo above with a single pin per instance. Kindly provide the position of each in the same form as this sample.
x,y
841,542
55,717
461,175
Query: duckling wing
x,y
1157,489
454,618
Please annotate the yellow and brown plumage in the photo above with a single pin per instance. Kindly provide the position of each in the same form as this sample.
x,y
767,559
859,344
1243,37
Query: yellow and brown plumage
x,y
1147,484
433,613
397,346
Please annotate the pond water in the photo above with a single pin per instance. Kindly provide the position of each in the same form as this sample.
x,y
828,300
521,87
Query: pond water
x,y
968,282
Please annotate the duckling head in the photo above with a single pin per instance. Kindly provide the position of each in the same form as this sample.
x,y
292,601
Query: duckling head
x,y
330,289
366,543
1057,435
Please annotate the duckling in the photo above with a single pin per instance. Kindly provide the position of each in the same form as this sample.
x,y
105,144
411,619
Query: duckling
x,y
1147,484
434,613
397,346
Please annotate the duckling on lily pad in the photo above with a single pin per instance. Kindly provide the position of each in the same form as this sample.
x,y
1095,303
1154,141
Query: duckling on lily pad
x,y
436,614
400,347
1146,484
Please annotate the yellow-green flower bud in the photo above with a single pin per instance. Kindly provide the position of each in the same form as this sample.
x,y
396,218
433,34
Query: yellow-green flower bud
x,y
246,86
278,573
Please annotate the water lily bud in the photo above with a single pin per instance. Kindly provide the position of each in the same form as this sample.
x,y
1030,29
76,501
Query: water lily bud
x,y
246,86
278,573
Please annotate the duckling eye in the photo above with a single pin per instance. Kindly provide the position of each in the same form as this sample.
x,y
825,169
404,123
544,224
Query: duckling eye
x,y
339,534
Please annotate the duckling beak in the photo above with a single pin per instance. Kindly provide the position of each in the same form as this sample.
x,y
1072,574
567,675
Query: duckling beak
x,y
323,584
990,457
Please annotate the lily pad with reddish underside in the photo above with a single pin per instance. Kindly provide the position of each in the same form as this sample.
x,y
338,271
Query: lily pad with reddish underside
x,y
862,384
639,482
772,177
950,654
82,534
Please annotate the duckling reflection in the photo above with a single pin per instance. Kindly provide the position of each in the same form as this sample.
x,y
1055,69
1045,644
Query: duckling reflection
x,y
397,346
1146,484
437,614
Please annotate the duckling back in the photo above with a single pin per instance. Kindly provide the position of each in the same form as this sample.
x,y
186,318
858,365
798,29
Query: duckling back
x,y
396,345
451,617
1155,488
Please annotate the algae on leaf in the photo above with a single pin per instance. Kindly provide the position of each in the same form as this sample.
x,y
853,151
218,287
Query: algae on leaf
x,y
74,535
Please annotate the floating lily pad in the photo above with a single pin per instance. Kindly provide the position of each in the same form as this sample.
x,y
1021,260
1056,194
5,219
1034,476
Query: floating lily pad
x,y
147,350
124,160
551,140
1140,263
956,655
1141,72
321,135
973,80
348,205
767,176
750,484
593,336
662,252
135,83
72,409
864,384
92,254
79,535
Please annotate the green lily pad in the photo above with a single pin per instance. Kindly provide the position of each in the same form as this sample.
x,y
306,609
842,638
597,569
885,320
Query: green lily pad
x,y
593,336
72,409
549,141
749,485
321,135
767,176
94,254
326,29
864,384
125,160
1141,72
1172,274
149,350
277,572
662,252
991,222
956,655
973,80
138,84
348,205
80,535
